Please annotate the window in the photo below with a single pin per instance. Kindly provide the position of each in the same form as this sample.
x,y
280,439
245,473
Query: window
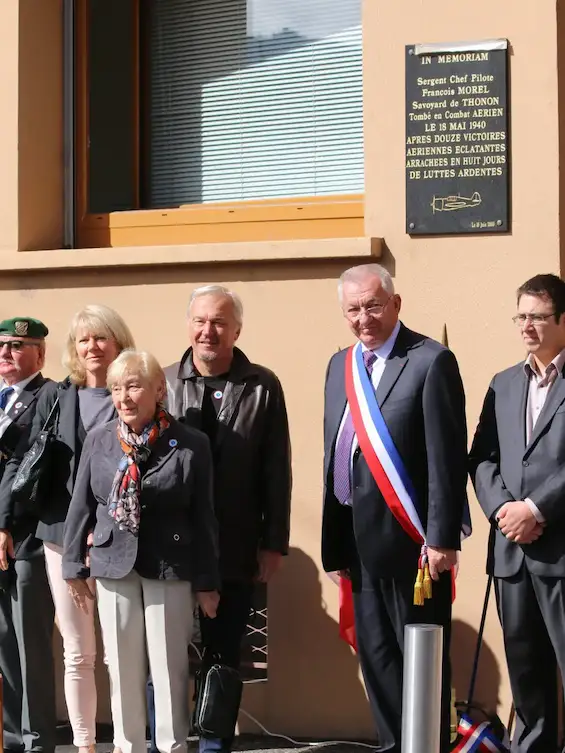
x,y
219,120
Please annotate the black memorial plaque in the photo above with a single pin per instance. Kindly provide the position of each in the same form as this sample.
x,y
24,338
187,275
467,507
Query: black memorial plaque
x,y
457,146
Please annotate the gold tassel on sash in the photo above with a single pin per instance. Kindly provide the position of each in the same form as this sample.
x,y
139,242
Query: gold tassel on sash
x,y
423,584
419,587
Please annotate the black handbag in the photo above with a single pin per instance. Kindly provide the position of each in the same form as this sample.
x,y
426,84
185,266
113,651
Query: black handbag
x,y
34,462
217,696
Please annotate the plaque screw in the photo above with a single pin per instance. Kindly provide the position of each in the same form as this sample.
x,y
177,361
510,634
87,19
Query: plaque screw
x,y
499,223
411,51
411,226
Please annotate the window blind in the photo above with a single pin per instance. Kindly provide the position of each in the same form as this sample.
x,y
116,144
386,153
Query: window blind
x,y
253,99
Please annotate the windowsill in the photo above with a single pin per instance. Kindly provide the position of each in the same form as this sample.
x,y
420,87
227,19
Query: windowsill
x,y
198,253
278,219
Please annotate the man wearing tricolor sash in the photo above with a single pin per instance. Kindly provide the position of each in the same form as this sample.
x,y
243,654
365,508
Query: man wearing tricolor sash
x,y
395,473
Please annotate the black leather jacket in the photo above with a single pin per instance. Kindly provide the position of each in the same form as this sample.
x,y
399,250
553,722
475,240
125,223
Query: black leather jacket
x,y
252,462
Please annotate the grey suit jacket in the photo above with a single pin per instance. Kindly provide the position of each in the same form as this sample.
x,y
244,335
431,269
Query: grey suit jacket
x,y
504,468
178,530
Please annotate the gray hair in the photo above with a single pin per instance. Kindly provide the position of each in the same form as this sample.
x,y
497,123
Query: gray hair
x,y
219,290
135,363
361,272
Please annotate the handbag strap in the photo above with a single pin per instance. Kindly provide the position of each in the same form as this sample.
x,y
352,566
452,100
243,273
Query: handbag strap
x,y
475,669
51,417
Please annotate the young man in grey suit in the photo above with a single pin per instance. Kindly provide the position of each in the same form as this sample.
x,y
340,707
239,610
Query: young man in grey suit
x,y
518,469
418,389
26,606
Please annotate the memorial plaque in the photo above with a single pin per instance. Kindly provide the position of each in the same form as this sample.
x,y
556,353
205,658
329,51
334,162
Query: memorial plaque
x,y
457,146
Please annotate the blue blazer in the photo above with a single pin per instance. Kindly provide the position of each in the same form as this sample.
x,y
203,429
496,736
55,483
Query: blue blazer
x,y
423,403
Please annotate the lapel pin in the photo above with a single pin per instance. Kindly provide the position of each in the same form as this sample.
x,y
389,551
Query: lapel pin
x,y
218,394
19,405
173,443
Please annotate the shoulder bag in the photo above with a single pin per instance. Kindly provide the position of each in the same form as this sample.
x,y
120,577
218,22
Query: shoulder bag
x,y
35,460
217,696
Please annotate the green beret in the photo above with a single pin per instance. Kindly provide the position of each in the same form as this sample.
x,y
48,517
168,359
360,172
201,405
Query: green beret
x,y
24,326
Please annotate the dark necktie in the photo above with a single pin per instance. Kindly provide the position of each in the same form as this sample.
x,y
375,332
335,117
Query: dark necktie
x,y
5,393
342,455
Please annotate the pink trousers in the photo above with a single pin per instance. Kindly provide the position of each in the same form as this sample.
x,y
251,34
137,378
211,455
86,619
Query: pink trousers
x,y
79,646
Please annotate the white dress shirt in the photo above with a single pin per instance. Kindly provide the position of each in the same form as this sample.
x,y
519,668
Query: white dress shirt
x,y
382,353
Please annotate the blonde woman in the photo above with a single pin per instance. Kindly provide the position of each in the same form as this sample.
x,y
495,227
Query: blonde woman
x,y
96,336
144,485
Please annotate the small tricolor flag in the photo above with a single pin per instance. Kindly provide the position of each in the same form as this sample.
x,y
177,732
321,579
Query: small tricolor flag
x,y
477,738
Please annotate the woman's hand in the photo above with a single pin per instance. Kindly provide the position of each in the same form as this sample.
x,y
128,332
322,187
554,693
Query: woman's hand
x,y
208,602
89,544
80,592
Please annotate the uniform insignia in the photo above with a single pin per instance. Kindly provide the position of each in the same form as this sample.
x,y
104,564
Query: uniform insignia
x,y
21,328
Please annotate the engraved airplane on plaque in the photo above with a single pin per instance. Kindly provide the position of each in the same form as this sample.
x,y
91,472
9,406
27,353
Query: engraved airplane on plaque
x,y
455,202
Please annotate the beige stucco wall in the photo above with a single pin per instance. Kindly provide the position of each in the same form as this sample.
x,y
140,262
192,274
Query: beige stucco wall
x,y
292,322
468,283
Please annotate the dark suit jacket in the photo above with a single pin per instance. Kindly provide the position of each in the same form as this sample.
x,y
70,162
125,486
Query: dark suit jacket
x,y
178,530
56,487
252,470
422,401
22,522
504,468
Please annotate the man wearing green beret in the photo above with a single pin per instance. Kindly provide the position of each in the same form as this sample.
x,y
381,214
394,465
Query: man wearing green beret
x,y
26,606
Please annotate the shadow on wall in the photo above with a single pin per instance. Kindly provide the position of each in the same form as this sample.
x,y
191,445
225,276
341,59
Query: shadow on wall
x,y
487,688
310,667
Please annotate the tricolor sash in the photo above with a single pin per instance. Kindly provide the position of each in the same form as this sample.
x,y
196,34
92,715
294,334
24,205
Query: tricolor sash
x,y
378,448
384,461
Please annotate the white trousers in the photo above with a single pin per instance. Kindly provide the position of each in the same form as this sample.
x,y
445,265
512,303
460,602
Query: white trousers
x,y
79,646
147,622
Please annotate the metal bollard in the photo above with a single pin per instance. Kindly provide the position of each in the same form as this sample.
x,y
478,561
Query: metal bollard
x,y
421,693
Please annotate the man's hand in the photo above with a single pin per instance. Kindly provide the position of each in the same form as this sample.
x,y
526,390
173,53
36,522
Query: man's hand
x,y
269,563
518,523
80,592
6,548
535,534
208,602
440,560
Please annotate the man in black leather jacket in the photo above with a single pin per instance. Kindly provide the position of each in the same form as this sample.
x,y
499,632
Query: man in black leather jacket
x,y
240,406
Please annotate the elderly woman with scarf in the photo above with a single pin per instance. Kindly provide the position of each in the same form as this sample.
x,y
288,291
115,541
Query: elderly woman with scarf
x,y
144,484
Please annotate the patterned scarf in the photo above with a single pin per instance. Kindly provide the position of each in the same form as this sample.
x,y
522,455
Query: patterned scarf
x,y
123,502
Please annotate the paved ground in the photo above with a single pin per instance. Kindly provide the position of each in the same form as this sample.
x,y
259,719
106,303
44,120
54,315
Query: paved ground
x,y
256,744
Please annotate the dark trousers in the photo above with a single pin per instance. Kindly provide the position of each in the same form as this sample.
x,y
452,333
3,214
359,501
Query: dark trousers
x,y
532,614
221,636
26,658
382,609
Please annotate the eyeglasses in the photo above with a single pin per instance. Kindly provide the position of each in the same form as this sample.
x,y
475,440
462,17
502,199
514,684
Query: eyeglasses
x,y
373,311
521,319
16,345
